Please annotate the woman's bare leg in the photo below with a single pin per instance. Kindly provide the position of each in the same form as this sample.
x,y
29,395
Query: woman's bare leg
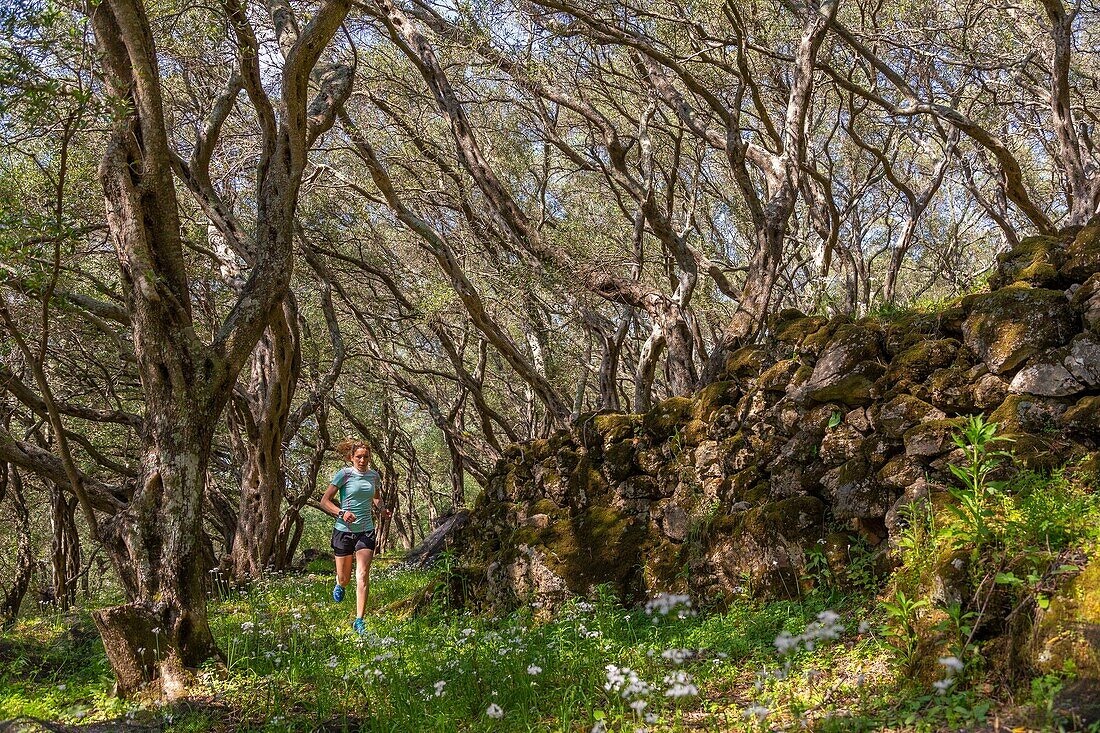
x,y
362,579
343,570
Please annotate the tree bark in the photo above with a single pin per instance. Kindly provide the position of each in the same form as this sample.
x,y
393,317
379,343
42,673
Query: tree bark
x,y
12,483
258,419
156,544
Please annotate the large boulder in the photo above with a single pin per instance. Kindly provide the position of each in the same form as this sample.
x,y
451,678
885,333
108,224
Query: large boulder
x,y
1082,256
767,545
1048,380
847,369
1083,361
904,412
854,492
1035,260
1007,326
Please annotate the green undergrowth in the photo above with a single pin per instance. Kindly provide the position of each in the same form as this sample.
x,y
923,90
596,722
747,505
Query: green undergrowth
x,y
916,651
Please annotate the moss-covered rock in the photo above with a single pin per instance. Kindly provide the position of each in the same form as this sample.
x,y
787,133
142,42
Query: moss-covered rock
x,y
767,545
854,492
1007,326
667,417
792,333
1068,631
840,444
617,426
931,438
1022,414
950,389
904,412
744,363
713,397
1083,418
848,367
1035,260
779,376
1082,257
917,362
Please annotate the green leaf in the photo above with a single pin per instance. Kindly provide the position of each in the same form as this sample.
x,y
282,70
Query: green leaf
x,y
835,418
1007,579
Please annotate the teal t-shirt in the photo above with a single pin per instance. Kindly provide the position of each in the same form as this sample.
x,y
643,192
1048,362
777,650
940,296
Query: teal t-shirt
x,y
356,492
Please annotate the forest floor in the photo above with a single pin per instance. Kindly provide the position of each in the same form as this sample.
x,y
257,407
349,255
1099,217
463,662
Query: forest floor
x,y
825,662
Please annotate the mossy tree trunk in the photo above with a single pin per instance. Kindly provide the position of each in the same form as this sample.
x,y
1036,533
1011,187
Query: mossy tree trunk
x,y
157,542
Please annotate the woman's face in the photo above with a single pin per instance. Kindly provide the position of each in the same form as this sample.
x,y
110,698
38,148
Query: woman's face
x,y
360,458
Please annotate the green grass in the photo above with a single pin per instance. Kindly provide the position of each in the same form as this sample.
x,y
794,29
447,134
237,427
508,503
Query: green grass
x,y
851,655
293,663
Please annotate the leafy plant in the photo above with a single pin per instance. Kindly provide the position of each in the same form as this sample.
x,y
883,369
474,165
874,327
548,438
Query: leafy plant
x,y
977,491
902,635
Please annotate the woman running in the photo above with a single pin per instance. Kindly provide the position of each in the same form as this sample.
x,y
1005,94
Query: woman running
x,y
354,536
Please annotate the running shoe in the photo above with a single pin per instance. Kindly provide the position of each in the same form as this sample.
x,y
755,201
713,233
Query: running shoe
x,y
359,626
338,593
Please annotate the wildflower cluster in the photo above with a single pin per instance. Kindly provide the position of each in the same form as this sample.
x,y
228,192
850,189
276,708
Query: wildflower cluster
x,y
669,604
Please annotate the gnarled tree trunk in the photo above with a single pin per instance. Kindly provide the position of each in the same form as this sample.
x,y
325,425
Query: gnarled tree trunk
x,y
258,419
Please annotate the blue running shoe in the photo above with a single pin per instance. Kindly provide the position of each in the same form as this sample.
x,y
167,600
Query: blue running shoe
x,y
338,593
359,626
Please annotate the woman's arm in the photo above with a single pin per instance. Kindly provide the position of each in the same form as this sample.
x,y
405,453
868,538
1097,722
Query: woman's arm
x,y
331,508
379,507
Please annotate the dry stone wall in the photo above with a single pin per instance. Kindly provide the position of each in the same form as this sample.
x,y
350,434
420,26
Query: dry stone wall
x,y
814,438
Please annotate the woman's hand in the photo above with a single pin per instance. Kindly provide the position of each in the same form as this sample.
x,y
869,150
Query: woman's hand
x,y
347,517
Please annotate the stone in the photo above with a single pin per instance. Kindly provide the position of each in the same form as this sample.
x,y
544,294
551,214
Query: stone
x,y
641,487
713,397
847,370
744,363
1083,361
1068,631
1048,380
618,462
988,391
904,412
901,472
673,521
538,521
615,427
1026,414
950,390
1035,260
767,545
1086,300
854,492
1084,417
779,376
792,332
1007,326
931,438
708,459
840,444
1082,256
913,495
667,416
917,363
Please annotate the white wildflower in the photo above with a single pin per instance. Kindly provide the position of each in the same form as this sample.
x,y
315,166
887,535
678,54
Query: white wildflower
x,y
533,669
439,687
677,656
680,685
942,686
494,711
953,664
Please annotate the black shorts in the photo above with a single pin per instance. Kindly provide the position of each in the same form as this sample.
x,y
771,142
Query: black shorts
x,y
348,543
